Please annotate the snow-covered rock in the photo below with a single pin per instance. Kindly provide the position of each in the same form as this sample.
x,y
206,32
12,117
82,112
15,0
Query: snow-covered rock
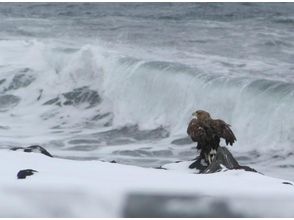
x,y
67,188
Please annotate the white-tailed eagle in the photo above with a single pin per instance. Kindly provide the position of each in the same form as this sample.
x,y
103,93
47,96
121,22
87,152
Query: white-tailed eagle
x,y
207,132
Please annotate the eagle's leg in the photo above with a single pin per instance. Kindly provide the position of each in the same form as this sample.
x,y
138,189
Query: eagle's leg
x,y
211,155
208,154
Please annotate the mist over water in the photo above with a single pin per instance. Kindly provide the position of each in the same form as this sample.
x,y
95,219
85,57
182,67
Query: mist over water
x,y
119,81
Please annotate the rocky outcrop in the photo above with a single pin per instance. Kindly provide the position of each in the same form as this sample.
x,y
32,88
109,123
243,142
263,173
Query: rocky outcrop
x,y
22,174
33,148
223,160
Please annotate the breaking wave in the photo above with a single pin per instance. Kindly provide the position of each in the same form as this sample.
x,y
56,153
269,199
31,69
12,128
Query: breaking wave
x,y
58,89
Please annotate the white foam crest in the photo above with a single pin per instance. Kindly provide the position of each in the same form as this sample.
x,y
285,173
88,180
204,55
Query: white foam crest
x,y
153,94
148,93
56,70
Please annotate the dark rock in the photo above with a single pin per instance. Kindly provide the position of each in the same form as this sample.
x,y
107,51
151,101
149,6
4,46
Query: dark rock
x,y
287,183
246,168
160,168
176,206
223,159
113,161
197,165
22,174
226,158
33,148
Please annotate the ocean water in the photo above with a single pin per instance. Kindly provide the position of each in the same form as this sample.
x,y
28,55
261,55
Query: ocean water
x,y
119,81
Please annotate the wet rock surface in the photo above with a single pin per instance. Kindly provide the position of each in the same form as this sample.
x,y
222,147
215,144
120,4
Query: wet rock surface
x,y
223,160
33,148
22,174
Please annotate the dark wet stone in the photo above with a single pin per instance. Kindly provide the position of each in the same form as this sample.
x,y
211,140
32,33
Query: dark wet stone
x,y
197,165
160,168
226,158
223,159
33,148
182,141
76,97
247,168
22,174
213,167
113,161
287,183
176,206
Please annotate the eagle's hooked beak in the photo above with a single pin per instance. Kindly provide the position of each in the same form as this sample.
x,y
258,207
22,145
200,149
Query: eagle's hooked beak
x,y
194,114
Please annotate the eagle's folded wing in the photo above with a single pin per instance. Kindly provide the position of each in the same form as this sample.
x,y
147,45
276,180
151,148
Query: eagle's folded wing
x,y
224,131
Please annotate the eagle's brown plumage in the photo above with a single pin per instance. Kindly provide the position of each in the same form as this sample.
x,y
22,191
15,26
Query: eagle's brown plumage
x,y
207,132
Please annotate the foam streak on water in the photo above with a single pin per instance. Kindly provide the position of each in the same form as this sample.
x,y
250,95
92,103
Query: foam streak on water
x,y
120,81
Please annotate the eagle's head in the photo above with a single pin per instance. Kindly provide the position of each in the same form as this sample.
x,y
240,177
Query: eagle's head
x,y
201,115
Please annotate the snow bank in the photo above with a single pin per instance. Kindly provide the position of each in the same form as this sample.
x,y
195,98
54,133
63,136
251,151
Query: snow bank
x,y
66,188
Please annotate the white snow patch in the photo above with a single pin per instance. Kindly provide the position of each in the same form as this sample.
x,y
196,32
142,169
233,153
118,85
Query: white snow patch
x,y
67,188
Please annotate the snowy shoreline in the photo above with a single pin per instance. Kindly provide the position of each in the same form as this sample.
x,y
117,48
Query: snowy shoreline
x,y
67,188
